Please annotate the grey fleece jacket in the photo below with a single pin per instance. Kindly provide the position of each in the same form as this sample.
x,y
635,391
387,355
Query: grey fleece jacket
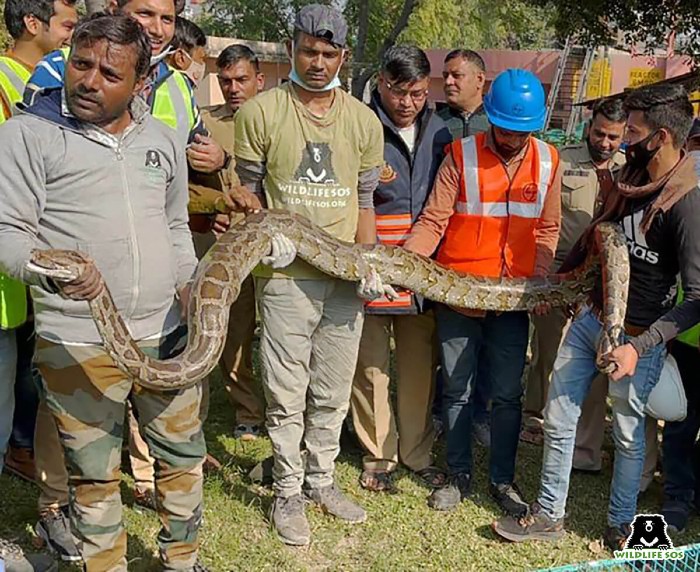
x,y
123,201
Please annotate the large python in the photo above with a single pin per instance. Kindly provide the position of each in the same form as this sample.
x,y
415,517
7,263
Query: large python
x,y
219,276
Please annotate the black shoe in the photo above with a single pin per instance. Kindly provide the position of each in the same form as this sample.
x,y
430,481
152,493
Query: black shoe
x,y
145,500
509,499
676,513
13,559
533,526
54,529
457,488
615,537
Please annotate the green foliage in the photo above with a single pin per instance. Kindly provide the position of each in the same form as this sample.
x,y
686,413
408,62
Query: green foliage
x,y
629,22
480,24
5,39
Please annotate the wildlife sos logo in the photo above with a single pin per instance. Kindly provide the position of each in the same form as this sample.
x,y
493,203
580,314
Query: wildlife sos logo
x,y
649,540
153,159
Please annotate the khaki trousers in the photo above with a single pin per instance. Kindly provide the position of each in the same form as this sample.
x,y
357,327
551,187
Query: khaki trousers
x,y
373,416
236,361
549,331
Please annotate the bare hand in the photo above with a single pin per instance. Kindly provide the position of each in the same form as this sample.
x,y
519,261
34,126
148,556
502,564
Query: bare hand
x,y
240,199
86,287
222,222
205,154
184,297
625,358
542,309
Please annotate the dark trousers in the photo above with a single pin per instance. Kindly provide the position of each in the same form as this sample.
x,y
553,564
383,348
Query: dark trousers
x,y
26,390
502,341
681,453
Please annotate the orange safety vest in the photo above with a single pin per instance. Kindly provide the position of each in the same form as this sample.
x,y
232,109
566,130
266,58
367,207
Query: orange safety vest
x,y
393,229
492,229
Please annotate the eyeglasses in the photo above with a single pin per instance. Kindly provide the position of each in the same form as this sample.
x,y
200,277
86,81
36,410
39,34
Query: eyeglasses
x,y
398,93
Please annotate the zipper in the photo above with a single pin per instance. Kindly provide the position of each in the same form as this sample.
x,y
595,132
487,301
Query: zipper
x,y
132,233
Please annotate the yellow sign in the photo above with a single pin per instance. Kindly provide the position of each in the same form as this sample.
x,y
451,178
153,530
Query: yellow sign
x,y
599,82
695,98
644,76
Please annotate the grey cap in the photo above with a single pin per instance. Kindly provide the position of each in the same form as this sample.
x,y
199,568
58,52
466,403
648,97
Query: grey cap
x,y
322,22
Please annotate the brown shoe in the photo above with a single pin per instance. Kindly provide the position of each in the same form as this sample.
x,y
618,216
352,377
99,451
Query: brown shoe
x,y
19,461
211,464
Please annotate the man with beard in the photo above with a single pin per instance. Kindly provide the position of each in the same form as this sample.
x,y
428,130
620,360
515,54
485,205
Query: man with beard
x,y
494,211
587,172
92,170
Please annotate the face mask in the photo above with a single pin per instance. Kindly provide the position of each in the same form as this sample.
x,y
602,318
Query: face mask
x,y
196,70
637,153
294,77
155,60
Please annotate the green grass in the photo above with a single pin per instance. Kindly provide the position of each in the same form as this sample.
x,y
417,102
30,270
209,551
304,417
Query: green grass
x,y
401,533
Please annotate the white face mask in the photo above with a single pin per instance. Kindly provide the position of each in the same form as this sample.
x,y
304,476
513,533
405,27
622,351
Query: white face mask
x,y
296,78
155,60
196,70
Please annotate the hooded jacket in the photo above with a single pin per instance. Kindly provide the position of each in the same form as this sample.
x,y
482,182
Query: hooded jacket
x,y
122,200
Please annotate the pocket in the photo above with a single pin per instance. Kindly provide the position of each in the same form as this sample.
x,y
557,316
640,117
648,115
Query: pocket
x,y
114,260
576,192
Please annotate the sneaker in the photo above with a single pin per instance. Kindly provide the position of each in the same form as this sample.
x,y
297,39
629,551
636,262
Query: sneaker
x,y
289,520
457,489
615,537
334,502
145,500
246,432
482,434
13,559
509,499
54,529
534,525
676,513
19,461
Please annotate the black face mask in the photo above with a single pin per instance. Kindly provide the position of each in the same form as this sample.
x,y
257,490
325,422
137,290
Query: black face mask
x,y
638,155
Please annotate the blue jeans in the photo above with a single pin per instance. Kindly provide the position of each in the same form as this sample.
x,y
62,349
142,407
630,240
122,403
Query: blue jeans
x,y
679,444
464,341
481,394
574,370
26,389
8,368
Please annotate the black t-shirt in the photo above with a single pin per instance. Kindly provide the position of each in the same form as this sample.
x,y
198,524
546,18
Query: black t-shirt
x,y
670,247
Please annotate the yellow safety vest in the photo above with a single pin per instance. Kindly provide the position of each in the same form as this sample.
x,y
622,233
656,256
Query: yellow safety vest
x,y
13,296
690,337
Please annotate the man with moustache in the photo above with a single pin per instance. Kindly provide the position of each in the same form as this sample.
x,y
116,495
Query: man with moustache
x,y
94,135
588,170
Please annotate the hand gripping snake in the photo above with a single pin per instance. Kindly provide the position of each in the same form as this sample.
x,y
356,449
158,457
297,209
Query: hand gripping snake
x,y
219,275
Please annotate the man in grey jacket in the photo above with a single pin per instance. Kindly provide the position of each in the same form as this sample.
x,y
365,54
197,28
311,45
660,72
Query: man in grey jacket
x,y
91,170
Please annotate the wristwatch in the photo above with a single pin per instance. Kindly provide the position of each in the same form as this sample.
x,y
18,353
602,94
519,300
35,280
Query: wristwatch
x,y
227,161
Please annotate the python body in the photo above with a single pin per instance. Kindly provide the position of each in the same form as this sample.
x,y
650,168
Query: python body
x,y
219,276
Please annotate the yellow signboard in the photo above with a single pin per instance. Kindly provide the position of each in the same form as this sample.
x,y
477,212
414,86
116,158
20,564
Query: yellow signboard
x,y
599,82
644,76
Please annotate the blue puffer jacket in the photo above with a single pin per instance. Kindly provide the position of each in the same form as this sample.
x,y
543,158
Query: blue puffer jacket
x,y
404,185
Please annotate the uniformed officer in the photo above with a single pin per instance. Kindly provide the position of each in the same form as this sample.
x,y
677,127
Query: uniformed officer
x,y
587,172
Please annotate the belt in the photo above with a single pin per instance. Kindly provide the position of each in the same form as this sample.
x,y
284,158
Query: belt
x,y
630,329
201,222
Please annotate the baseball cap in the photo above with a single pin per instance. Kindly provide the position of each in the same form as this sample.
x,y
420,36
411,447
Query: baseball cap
x,y
322,22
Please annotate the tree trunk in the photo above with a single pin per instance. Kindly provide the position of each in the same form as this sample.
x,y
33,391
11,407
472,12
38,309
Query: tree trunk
x,y
93,6
364,72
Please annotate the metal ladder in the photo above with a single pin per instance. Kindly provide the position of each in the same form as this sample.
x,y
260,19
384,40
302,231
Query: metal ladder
x,y
576,111
556,82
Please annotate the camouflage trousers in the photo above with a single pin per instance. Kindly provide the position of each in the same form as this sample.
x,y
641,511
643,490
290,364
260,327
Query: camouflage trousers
x,y
87,396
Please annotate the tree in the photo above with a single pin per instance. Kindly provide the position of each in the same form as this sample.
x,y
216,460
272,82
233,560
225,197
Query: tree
x,y
5,39
651,23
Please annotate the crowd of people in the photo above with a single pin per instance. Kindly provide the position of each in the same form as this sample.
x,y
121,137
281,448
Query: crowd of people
x,y
105,151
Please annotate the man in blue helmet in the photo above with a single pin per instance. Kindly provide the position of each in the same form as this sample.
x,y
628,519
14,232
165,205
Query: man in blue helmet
x,y
494,211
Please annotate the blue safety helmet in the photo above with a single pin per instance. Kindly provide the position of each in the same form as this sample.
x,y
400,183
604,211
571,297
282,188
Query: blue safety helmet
x,y
516,101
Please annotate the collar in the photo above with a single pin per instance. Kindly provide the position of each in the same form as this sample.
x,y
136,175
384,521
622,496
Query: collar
x,y
138,109
11,54
584,157
517,158
222,111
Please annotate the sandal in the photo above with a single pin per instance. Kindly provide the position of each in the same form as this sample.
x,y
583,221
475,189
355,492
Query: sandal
x,y
432,477
377,481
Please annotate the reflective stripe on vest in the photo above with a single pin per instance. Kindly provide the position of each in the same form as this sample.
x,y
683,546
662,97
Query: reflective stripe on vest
x,y
474,205
13,296
393,229
13,77
171,105
492,229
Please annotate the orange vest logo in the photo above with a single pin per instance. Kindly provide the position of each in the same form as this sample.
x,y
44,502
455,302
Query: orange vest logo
x,y
530,193
387,174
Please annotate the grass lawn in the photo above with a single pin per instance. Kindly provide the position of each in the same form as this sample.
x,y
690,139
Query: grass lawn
x,y
401,533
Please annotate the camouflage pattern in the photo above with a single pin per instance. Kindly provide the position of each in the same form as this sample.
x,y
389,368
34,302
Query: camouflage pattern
x,y
87,396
